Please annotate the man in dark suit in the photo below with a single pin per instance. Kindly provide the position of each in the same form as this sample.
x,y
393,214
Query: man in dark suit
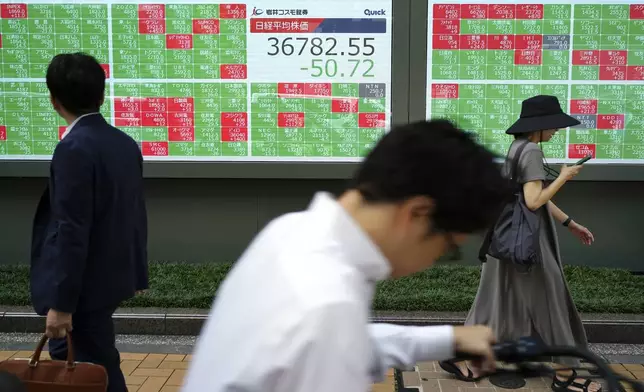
x,y
89,246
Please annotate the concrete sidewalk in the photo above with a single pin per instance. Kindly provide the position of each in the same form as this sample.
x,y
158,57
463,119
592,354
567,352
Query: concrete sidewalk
x,y
152,372
601,328
158,363
430,377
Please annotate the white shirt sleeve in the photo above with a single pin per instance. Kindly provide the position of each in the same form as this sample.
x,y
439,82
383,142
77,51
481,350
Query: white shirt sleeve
x,y
402,347
336,357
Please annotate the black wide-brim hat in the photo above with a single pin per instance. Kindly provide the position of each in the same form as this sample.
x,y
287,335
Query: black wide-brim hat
x,y
540,113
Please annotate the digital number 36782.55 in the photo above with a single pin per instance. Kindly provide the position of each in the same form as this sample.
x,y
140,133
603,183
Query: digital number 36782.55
x,y
320,47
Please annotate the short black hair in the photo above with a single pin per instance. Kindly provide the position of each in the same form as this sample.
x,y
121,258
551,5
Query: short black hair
x,y
77,82
437,160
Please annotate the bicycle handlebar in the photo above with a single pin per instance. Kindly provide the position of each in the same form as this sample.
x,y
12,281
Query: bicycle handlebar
x,y
526,350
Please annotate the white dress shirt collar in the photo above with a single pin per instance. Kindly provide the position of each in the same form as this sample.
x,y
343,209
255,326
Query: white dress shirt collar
x,y
70,126
350,238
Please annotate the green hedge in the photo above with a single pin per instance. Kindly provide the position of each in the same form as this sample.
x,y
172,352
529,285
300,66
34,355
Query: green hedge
x,y
443,288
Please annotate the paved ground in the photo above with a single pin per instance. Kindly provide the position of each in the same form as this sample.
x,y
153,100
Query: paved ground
x,y
626,359
430,377
151,372
158,364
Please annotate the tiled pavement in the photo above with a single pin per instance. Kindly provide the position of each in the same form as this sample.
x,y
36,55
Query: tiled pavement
x,y
147,372
163,372
430,377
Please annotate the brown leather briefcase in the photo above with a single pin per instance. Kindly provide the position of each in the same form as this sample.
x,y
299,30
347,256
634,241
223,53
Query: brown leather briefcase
x,y
57,376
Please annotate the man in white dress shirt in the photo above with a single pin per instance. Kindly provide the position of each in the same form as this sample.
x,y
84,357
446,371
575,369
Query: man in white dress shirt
x,y
293,314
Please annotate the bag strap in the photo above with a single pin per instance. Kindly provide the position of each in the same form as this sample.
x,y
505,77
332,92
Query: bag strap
x,y
515,161
35,358
513,174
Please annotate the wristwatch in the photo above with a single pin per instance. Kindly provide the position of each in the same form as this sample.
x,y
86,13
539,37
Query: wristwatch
x,y
567,221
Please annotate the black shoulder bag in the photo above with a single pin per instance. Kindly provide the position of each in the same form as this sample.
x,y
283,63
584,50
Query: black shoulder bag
x,y
515,235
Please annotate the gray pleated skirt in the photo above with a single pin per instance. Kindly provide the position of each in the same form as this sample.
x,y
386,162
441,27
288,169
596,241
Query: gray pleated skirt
x,y
537,303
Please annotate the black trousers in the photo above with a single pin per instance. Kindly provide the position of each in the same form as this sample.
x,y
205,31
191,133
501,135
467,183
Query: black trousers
x,y
94,341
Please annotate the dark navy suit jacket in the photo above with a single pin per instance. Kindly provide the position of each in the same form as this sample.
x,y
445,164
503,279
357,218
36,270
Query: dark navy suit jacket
x,y
89,243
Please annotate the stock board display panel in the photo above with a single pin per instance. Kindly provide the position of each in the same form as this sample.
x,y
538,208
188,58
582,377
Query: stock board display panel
x,y
245,81
484,58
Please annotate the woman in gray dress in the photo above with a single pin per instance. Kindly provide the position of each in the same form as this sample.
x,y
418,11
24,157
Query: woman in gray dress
x,y
515,301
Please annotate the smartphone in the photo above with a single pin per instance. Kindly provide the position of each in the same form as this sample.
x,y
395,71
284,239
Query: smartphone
x,y
584,160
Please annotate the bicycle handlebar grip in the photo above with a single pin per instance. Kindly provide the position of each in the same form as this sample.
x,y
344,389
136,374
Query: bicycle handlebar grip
x,y
521,350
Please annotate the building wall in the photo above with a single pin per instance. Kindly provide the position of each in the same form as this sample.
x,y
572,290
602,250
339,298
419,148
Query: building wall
x,y
201,220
